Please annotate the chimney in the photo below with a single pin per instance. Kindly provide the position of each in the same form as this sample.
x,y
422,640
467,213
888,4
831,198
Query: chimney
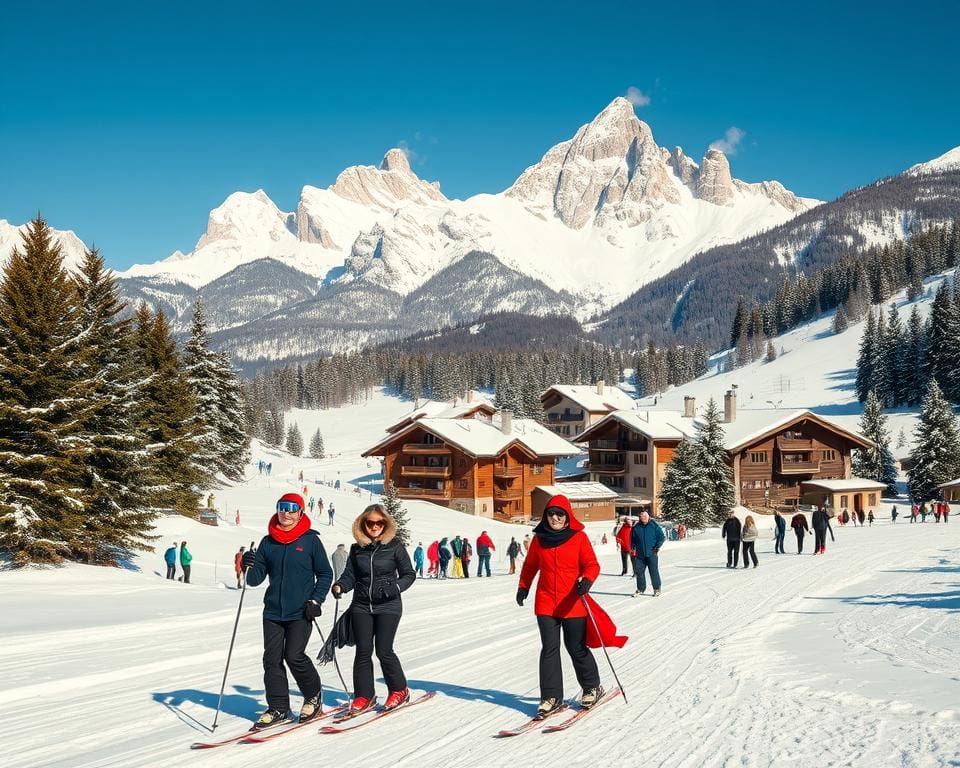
x,y
730,406
600,387
689,406
469,395
506,422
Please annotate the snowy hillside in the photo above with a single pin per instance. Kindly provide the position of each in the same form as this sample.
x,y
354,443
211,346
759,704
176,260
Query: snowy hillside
x,y
11,236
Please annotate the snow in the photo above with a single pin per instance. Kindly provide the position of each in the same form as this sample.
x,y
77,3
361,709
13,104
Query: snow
x,y
613,397
850,484
948,161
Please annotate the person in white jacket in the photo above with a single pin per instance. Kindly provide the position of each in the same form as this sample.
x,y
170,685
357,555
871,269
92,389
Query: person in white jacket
x,y
749,539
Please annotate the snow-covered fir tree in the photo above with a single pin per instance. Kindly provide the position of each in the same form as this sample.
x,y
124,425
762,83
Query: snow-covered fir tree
x,y
876,463
316,445
865,359
294,443
840,320
720,496
943,343
394,506
685,488
936,452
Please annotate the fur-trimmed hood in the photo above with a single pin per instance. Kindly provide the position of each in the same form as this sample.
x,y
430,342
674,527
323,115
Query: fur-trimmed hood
x,y
360,536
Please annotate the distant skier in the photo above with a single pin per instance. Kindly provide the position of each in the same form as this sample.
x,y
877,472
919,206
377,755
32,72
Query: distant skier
x,y
623,544
443,555
924,511
870,518
526,544
821,524
433,557
731,532
170,558
914,512
330,513
893,513
311,504
338,560
485,548
378,570
749,538
564,558
292,556
238,566
780,531
646,538
185,559
946,511
456,548
466,556
861,517
418,559
799,524
513,549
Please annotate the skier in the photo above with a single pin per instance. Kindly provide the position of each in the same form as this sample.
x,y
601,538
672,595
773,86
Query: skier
x,y
924,511
330,513
799,524
936,511
646,538
294,559
563,556
378,570
861,517
821,524
731,532
170,558
780,523
914,511
238,566
433,556
845,518
310,504
466,553
526,544
485,547
185,559
418,559
870,518
513,549
456,547
623,544
339,560
946,511
443,558
893,513
301,475
749,538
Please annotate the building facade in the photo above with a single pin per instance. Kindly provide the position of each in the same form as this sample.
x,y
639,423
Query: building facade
x,y
568,409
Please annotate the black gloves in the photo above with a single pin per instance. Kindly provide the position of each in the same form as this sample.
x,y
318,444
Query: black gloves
x,y
583,586
337,593
312,610
248,559
385,592
522,595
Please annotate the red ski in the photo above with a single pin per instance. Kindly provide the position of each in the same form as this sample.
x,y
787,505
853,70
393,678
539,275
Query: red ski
x,y
239,737
581,713
532,724
258,737
378,714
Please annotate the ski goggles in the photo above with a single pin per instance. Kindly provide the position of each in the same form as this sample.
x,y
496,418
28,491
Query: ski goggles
x,y
289,507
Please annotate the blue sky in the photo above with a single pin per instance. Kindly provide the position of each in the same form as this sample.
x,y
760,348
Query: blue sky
x,y
128,122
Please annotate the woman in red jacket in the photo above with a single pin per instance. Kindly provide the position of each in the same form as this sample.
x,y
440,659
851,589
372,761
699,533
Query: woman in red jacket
x,y
564,558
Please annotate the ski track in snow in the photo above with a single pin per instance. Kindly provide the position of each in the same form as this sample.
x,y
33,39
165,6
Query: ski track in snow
x,y
843,659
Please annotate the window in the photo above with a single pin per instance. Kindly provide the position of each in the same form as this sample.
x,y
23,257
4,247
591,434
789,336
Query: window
x,y
536,469
463,483
639,458
829,455
758,457
639,482
872,500
843,502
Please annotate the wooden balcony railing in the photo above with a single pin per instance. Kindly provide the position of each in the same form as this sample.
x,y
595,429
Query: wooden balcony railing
x,y
411,471
434,448
424,493
510,472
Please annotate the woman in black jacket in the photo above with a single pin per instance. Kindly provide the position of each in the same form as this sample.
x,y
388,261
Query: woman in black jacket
x,y
378,570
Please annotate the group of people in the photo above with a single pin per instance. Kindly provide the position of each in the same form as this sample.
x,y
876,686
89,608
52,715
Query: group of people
x,y
454,555
377,570
857,517
639,545
171,559
939,509
264,467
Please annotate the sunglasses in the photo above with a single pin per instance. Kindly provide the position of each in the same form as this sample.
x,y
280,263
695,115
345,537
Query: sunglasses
x,y
290,507
556,513
374,523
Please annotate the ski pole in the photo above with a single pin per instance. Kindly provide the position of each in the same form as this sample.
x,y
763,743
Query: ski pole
x,y
336,663
233,637
583,599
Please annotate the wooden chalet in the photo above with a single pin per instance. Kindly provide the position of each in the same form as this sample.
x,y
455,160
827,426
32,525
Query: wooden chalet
x,y
482,467
568,409
472,406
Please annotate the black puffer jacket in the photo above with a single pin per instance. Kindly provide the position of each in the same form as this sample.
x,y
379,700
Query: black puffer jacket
x,y
377,572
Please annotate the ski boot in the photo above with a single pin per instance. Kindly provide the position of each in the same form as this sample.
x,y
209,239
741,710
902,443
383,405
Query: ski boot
x,y
269,719
591,696
547,707
396,698
310,709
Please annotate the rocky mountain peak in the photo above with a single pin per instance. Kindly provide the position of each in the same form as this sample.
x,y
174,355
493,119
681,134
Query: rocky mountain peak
x,y
391,184
683,166
395,160
714,183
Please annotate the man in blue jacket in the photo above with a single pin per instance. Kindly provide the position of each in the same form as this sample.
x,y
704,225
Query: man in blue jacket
x,y
646,538
293,556
170,558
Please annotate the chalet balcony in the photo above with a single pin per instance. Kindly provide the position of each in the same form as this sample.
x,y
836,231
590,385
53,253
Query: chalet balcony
x,y
794,444
799,467
608,469
507,472
565,416
618,445
434,448
424,493
410,471
505,494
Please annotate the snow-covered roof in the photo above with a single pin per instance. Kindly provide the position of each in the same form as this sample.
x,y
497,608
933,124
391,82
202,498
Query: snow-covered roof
x,y
850,484
613,398
485,438
442,409
656,425
579,491
950,484
751,424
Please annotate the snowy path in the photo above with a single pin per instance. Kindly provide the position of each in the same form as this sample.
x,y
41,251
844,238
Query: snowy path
x,y
847,659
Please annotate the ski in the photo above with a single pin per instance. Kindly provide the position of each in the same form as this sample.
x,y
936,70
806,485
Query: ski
x,y
239,737
257,738
532,724
378,714
581,713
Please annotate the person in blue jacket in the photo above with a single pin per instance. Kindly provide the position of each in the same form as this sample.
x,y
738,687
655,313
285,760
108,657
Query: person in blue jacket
x,y
780,531
170,558
646,538
294,559
418,559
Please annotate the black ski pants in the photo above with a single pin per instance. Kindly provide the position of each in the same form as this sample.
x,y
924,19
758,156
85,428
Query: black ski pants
x,y
778,542
575,640
375,631
799,532
286,641
171,572
186,574
733,553
749,548
819,539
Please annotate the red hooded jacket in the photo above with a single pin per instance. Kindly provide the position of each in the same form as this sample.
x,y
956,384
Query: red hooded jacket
x,y
623,537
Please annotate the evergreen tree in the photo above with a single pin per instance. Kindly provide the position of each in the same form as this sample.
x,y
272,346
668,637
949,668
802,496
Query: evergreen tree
x,y
685,488
316,445
914,360
741,320
876,463
892,354
771,352
42,404
394,506
233,431
840,320
865,359
294,440
942,344
199,366
936,452
720,496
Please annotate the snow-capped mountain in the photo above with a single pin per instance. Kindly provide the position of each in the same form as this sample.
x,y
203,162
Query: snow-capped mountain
x,y
610,193
11,236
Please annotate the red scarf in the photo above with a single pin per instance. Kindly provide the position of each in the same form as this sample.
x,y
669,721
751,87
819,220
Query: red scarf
x,y
286,537
608,630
